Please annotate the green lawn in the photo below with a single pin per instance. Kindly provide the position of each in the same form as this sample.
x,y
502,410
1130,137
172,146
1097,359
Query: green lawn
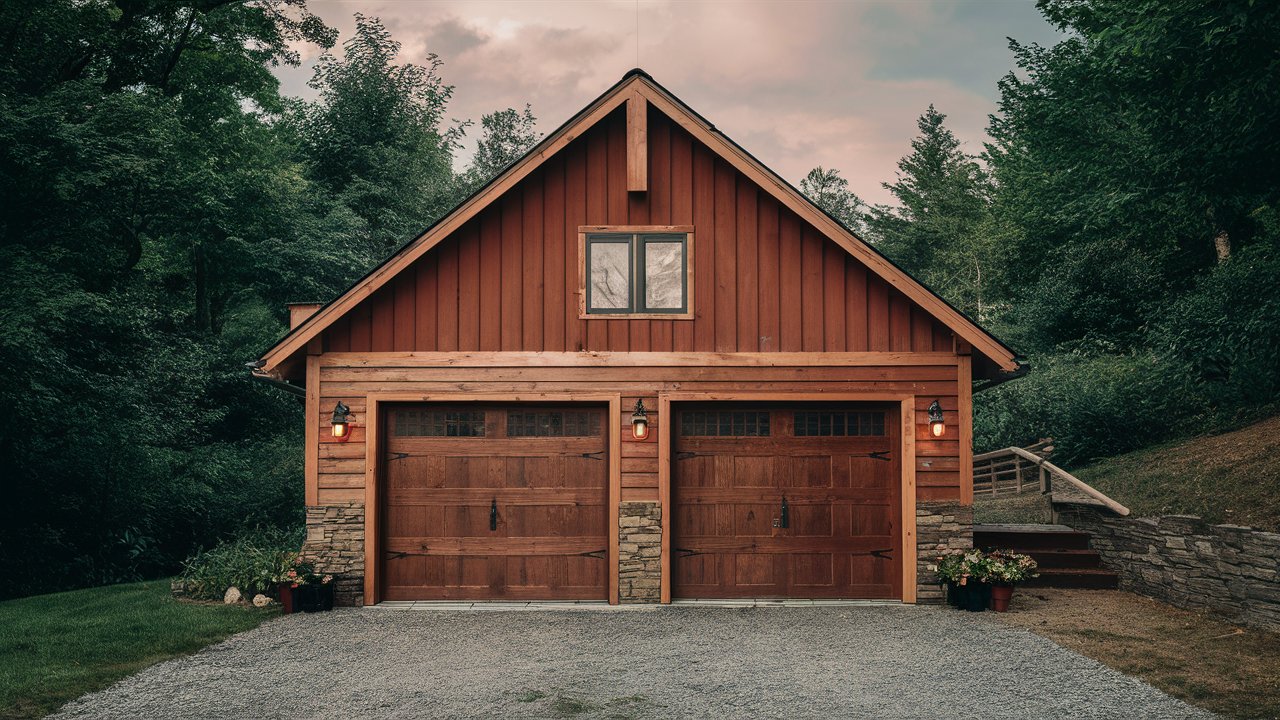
x,y
54,648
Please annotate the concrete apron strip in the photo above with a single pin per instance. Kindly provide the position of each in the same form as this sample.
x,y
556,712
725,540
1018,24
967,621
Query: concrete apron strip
x,y
500,606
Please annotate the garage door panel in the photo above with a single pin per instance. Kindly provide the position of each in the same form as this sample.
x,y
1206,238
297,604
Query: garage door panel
x,y
550,520
813,570
813,520
756,570
810,472
754,472
842,504
548,538
870,520
752,520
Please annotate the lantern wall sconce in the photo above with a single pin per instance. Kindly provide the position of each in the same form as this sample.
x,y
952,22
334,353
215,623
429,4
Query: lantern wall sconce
x,y
341,422
937,427
640,422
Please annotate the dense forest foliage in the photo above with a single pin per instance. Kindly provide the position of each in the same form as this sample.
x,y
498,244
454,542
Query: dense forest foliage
x,y
161,201
1120,229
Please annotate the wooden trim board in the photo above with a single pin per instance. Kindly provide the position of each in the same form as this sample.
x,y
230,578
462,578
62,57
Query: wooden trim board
x,y
634,359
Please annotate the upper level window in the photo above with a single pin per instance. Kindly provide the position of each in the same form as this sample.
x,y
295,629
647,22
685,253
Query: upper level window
x,y
636,271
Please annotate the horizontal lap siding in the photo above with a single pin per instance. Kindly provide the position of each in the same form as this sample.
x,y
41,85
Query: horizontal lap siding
x,y
341,465
765,280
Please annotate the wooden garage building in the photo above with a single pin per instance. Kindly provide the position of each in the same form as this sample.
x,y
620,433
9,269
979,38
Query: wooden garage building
x,y
492,368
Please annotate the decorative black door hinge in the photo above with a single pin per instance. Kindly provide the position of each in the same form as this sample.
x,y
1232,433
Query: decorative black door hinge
x,y
687,455
493,514
597,455
396,456
882,554
598,554
877,455
686,552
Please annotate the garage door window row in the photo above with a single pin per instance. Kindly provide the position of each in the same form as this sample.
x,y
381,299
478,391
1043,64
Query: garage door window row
x,y
567,423
725,423
832,424
439,423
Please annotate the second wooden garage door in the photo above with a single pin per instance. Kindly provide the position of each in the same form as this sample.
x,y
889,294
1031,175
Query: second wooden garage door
x,y
799,502
488,502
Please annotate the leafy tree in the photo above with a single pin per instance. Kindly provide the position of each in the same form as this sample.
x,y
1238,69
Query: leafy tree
x,y
829,191
150,201
1137,148
506,135
941,230
375,141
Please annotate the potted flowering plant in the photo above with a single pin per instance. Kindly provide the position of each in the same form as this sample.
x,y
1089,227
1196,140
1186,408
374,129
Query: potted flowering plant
x,y
1005,569
965,575
973,577
301,588
950,570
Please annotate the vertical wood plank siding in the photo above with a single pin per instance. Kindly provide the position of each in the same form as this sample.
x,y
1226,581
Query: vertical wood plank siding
x,y
766,280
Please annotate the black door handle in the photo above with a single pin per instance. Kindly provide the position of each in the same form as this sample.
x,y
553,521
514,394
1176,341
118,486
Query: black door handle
x,y
493,514
784,520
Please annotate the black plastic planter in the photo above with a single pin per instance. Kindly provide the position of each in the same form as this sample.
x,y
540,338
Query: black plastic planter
x,y
954,593
315,598
977,596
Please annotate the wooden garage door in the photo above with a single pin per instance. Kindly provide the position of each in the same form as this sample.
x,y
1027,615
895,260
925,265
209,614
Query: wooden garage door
x,y
799,502
488,502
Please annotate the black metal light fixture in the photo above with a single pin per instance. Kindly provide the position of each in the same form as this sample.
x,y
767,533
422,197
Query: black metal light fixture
x,y
937,427
639,422
342,421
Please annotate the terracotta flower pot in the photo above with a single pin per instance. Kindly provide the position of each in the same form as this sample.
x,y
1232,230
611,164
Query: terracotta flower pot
x,y
288,593
1000,595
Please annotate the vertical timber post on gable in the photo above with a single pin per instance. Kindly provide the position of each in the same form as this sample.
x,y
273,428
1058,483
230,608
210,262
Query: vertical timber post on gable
x,y
637,143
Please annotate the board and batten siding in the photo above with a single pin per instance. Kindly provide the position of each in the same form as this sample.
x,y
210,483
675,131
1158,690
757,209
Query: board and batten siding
x,y
351,377
764,279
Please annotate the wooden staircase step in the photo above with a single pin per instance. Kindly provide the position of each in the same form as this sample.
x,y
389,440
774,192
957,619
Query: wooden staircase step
x,y
1050,539
1062,558
1085,578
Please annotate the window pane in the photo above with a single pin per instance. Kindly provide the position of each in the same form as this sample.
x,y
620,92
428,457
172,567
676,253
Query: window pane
x,y
664,275
610,275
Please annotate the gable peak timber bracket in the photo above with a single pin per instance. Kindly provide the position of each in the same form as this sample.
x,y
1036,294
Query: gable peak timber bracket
x,y
637,143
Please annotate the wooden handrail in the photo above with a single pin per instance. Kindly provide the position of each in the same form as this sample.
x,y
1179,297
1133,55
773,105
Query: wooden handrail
x,y
1010,461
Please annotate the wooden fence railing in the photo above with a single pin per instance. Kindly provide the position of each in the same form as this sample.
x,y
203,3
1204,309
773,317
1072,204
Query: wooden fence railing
x,y
1016,470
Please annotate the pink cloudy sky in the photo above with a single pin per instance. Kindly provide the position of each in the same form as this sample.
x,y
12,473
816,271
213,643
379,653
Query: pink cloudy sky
x,y
798,84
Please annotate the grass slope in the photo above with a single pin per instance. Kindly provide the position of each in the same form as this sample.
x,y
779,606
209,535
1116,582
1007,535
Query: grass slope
x,y
54,648
1230,478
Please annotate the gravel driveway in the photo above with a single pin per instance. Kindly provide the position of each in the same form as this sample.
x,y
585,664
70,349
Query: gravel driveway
x,y
672,662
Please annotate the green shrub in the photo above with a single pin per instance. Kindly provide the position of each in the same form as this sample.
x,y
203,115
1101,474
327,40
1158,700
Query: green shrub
x,y
1208,365
251,562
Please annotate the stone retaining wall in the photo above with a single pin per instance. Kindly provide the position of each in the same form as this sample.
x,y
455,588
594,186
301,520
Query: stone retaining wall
x,y
941,527
639,552
335,545
1187,562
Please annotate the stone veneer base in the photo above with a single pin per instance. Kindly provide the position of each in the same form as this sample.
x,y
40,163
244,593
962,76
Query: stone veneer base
x,y
941,528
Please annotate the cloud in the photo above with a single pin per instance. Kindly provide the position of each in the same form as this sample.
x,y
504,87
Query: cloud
x,y
798,84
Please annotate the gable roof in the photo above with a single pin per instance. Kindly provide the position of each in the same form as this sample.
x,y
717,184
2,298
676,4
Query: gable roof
x,y
638,83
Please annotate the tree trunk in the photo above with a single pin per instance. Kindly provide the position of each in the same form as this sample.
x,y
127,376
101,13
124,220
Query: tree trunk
x,y
1222,245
